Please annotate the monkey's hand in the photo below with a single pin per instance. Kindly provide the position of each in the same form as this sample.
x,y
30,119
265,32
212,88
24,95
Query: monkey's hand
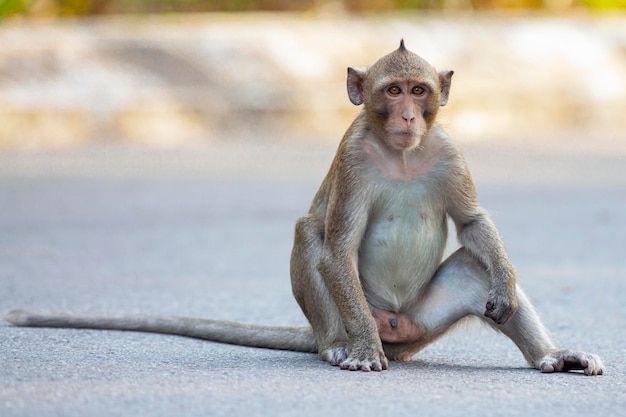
x,y
570,360
501,304
366,357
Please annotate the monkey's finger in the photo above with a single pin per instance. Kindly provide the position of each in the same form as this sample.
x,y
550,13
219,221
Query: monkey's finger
x,y
494,315
377,366
500,314
365,367
352,364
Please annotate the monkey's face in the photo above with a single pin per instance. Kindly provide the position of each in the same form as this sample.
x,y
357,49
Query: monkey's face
x,y
405,109
402,94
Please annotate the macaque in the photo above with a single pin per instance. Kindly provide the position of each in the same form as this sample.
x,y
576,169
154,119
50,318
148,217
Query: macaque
x,y
367,264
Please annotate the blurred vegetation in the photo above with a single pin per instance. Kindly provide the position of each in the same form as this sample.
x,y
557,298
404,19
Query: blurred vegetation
x,y
100,7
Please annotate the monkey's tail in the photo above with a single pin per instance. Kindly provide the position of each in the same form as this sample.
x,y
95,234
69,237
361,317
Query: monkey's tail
x,y
299,339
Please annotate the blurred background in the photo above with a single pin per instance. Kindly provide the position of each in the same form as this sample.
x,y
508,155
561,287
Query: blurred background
x,y
182,73
155,155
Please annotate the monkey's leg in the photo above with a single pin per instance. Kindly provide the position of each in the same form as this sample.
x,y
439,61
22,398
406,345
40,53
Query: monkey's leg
x,y
312,294
529,334
460,288
526,329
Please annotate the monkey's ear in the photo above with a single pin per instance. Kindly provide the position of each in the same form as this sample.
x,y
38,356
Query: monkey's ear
x,y
445,79
355,84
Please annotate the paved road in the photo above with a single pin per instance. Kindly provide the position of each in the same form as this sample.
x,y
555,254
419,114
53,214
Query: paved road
x,y
166,232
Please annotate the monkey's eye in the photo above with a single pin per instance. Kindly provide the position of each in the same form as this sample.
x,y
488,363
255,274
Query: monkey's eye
x,y
418,91
394,90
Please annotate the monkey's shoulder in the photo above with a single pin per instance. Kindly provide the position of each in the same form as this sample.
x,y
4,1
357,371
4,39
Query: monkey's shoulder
x,y
364,169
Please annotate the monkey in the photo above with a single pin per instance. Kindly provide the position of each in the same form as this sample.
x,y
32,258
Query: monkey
x,y
367,266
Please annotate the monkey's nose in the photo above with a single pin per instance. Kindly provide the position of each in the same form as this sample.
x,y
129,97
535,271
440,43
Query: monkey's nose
x,y
408,116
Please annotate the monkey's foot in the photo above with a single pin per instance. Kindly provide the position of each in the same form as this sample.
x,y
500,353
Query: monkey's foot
x,y
570,360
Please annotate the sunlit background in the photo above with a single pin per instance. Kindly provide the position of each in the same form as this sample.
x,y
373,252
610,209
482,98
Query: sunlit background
x,y
175,73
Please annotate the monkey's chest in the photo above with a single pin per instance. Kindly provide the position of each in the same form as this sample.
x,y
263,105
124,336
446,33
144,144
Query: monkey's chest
x,y
402,248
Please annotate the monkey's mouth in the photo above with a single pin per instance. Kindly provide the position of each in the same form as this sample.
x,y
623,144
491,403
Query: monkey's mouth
x,y
407,133
403,140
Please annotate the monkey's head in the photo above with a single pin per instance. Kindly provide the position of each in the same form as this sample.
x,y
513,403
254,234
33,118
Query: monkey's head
x,y
401,93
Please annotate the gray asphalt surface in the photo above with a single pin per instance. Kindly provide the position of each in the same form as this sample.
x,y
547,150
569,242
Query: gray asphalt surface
x,y
202,233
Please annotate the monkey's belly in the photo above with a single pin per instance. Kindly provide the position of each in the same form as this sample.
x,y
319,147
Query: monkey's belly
x,y
399,256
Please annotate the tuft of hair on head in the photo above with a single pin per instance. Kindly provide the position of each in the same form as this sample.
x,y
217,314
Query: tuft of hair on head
x,y
402,48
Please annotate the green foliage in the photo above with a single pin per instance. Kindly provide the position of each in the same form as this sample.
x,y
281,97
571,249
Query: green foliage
x,y
605,4
11,7
96,7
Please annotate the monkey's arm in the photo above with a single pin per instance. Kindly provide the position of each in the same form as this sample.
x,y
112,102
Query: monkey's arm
x,y
346,220
480,237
